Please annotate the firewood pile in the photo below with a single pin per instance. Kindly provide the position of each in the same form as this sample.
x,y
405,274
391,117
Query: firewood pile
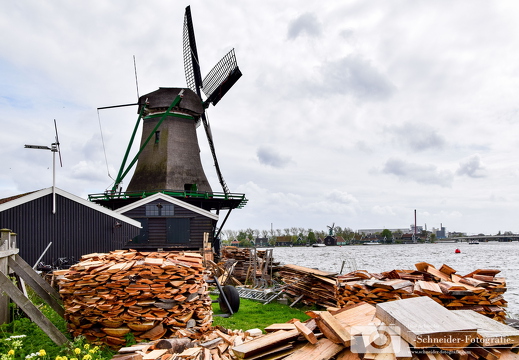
x,y
245,262
481,290
309,286
409,329
149,294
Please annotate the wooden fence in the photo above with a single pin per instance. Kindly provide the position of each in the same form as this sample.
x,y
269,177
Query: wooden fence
x,y
12,263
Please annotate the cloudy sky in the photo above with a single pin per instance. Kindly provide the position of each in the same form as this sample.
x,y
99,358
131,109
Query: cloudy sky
x,y
348,112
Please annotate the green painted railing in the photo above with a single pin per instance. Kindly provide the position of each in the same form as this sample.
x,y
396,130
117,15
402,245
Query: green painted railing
x,y
110,195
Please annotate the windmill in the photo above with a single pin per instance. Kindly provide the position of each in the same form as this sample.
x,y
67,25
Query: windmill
x,y
169,154
331,229
54,147
168,160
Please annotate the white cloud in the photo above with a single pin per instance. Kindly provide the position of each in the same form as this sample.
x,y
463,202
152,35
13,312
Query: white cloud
x,y
422,173
268,156
306,23
472,167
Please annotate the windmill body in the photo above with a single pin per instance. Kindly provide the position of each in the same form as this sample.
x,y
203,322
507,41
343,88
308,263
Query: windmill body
x,y
169,192
171,159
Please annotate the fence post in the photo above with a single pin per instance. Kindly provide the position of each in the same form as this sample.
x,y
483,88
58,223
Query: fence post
x,y
5,242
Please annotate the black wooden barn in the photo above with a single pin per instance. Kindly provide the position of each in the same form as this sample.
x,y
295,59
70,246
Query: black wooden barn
x,y
330,240
78,227
169,224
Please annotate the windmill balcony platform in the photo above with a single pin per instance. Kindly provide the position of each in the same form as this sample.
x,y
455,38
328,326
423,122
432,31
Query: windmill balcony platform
x,y
204,200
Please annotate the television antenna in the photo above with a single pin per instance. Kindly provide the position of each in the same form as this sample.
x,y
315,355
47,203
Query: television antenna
x,y
54,147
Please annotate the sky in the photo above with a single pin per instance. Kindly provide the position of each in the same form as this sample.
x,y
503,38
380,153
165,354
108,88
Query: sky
x,y
354,113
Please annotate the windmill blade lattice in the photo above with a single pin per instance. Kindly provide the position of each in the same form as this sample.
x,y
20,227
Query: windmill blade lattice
x,y
191,64
221,78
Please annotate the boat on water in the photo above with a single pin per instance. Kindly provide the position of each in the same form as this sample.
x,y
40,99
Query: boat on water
x,y
371,243
318,245
473,242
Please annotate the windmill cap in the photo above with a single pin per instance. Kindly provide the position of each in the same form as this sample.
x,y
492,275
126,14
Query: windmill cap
x,y
164,97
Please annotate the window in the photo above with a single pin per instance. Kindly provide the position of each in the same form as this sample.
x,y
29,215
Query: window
x,y
160,210
168,210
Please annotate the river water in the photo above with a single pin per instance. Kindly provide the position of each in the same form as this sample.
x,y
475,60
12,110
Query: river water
x,y
379,258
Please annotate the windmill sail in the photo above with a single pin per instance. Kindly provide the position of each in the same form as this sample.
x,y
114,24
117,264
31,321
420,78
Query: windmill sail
x,y
191,63
221,78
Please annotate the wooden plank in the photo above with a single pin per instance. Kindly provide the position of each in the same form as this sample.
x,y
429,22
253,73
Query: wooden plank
x,y
484,353
263,343
423,266
154,354
393,284
358,314
4,269
507,354
277,352
425,323
282,326
435,272
430,287
446,269
34,314
324,349
306,332
328,324
308,270
490,332
6,253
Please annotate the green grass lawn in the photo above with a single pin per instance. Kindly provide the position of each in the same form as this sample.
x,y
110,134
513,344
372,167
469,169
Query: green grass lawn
x,y
254,314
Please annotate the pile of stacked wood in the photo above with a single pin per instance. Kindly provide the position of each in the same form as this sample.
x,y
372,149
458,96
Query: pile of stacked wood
x,y
149,294
410,329
244,262
481,290
309,286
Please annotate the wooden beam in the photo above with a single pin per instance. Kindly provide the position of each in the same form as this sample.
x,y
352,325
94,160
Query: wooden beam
x,y
6,253
328,324
34,314
306,332
5,235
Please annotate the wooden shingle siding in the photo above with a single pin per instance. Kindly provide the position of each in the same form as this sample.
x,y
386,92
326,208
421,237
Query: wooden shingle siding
x,y
183,230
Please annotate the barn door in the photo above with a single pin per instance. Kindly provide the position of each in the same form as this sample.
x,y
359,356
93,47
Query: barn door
x,y
178,231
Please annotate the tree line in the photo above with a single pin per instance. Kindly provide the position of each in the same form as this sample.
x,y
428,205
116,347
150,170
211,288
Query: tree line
x,y
302,236
298,235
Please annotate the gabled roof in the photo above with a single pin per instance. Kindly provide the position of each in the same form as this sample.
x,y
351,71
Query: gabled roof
x,y
160,196
11,198
18,200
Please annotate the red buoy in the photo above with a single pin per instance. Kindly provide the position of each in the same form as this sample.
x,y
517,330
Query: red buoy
x,y
457,251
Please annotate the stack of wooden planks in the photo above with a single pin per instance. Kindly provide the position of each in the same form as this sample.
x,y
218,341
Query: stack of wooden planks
x,y
245,262
149,294
410,329
481,290
310,286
